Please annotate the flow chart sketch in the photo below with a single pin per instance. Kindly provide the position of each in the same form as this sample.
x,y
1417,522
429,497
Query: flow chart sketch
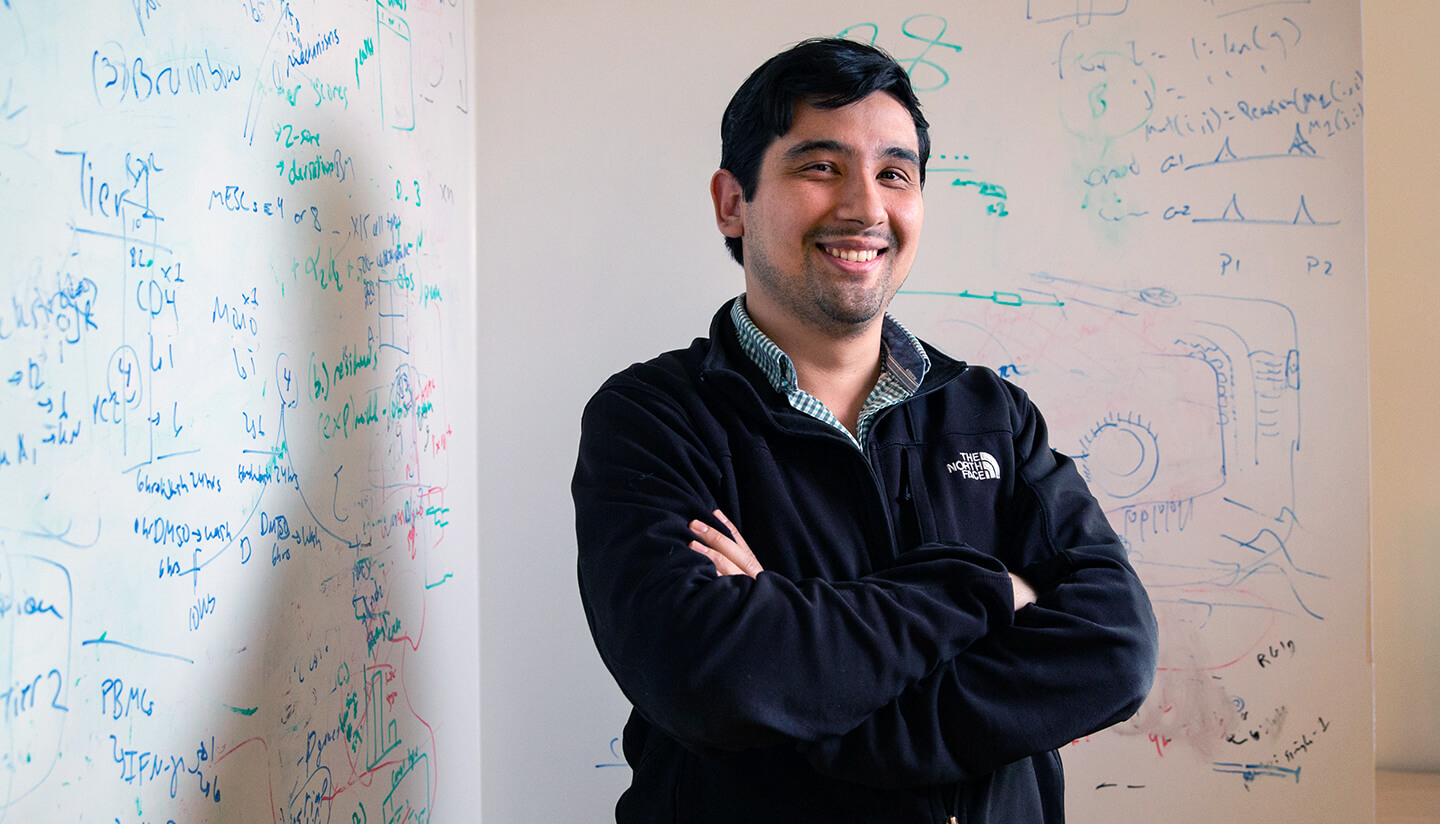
x,y
1173,405
234,379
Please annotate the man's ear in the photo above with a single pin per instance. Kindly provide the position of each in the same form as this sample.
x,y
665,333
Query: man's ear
x,y
729,201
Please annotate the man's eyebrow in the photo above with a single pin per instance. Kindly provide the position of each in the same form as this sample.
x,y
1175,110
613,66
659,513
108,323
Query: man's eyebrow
x,y
806,147
902,153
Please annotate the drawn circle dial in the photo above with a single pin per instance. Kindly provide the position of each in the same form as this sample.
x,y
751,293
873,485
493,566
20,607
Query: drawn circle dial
x,y
1122,456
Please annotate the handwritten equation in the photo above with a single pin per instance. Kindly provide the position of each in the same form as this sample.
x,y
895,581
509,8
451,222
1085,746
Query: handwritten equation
x,y
227,424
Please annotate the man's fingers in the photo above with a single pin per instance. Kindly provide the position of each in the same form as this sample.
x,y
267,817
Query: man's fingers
x,y
734,533
737,554
737,550
723,565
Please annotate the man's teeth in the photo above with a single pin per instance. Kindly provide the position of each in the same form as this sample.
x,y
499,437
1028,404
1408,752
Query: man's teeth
x,y
853,255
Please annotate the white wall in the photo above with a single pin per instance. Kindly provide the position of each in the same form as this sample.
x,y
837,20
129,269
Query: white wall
x,y
1402,192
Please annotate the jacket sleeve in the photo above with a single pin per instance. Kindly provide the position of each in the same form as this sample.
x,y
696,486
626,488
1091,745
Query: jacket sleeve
x,y
1078,660
733,662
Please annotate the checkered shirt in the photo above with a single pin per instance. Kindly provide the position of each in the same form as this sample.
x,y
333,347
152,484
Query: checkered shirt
x,y
903,364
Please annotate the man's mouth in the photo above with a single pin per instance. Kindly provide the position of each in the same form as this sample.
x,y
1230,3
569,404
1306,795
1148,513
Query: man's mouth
x,y
852,255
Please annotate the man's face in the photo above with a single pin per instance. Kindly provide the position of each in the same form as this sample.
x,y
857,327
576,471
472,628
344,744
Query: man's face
x,y
832,230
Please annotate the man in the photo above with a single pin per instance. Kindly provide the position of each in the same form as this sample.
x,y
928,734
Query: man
x,y
841,576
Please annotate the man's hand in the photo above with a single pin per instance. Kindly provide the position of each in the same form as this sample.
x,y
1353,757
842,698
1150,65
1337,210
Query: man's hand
x,y
731,557
1024,593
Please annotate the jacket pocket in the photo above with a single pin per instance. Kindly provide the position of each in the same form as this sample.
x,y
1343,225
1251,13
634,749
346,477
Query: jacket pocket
x,y
917,518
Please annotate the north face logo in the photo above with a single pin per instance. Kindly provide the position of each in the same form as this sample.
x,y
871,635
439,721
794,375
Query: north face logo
x,y
977,466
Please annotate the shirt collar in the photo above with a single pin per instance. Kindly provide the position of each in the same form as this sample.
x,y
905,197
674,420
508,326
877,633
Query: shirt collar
x,y
902,356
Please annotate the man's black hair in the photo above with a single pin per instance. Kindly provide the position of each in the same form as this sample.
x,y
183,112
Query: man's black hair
x,y
824,72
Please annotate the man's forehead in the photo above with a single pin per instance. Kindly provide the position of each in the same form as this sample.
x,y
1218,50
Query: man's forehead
x,y
834,128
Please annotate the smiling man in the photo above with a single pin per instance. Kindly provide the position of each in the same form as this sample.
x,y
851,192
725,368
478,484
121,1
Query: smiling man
x,y
841,576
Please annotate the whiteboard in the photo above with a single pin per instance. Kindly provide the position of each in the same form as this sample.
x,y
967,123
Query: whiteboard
x,y
1148,214
237,445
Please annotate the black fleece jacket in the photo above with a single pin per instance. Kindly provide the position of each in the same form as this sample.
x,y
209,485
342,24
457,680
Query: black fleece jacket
x,y
876,670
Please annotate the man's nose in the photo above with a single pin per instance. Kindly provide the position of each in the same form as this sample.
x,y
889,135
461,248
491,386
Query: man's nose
x,y
861,201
